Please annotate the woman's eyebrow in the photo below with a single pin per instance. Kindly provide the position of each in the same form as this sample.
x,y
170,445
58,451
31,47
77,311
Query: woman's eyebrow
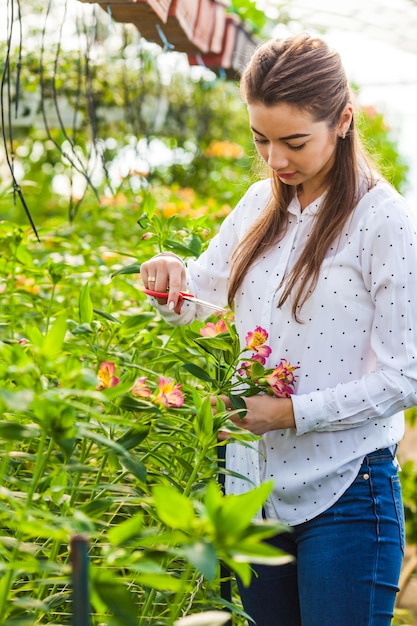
x,y
295,136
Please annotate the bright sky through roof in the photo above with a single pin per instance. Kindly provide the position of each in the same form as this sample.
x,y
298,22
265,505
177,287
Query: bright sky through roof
x,y
377,42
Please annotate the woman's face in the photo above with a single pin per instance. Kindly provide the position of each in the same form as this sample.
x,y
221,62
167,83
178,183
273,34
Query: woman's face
x,y
299,149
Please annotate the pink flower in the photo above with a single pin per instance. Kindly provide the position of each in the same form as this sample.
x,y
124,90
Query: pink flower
x,y
140,389
261,354
245,369
256,341
211,329
282,379
256,338
169,393
106,377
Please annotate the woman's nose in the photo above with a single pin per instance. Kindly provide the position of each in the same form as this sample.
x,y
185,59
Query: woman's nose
x,y
277,158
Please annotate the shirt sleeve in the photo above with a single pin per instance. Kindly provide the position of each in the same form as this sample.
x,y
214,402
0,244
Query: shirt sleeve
x,y
389,269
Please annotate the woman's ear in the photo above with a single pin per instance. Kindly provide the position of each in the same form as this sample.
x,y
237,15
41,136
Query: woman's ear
x,y
345,120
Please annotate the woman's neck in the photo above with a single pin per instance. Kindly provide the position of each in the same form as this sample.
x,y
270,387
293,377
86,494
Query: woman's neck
x,y
307,196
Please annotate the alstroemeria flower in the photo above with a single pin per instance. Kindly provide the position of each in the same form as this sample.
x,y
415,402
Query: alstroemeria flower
x,y
140,389
261,354
282,379
211,329
106,376
245,369
169,393
256,338
256,341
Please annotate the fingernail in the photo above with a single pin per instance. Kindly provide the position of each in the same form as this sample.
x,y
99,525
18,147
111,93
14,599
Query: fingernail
x,y
171,306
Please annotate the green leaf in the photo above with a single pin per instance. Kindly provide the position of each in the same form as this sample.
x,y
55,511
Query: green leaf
x,y
129,462
106,316
257,370
128,269
133,437
54,340
192,244
137,406
56,599
213,502
34,335
222,342
243,570
261,553
163,582
85,306
82,329
203,557
127,530
198,372
17,400
96,508
238,403
238,512
24,256
181,248
67,445
134,465
203,422
42,528
12,431
114,594
136,322
173,508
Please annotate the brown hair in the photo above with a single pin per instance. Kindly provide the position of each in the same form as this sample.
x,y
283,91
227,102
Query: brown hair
x,y
304,72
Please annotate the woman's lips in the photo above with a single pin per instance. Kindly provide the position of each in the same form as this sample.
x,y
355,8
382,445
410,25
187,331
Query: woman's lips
x,y
286,176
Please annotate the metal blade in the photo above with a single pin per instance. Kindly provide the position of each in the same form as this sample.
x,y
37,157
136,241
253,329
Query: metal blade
x,y
209,305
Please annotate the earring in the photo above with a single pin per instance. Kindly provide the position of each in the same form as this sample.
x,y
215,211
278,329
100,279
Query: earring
x,y
344,135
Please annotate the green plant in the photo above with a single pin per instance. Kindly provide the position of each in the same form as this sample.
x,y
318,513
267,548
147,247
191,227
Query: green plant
x,y
83,452
80,453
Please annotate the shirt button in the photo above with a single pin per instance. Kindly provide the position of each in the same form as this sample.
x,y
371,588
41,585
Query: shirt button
x,y
366,476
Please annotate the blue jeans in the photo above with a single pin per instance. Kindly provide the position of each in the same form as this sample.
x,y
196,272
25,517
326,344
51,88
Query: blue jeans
x,y
346,563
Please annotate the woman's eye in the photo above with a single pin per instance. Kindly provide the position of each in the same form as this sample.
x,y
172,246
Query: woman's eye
x,y
297,147
261,141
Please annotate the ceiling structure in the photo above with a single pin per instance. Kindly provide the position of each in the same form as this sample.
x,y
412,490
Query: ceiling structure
x,y
390,21
206,30
191,23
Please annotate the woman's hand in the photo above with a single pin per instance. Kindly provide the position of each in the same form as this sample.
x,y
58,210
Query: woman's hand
x,y
165,272
264,413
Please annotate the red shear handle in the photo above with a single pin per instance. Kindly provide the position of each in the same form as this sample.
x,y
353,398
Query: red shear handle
x,y
164,294
184,295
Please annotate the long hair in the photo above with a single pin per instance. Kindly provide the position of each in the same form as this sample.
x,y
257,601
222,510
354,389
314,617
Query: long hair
x,y
304,72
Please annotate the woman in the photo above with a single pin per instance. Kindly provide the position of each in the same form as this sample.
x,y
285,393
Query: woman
x,y
323,255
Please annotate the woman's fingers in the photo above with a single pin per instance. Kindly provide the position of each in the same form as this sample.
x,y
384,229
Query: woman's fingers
x,y
165,274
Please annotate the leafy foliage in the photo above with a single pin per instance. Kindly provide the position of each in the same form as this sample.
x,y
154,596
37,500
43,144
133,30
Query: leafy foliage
x,y
139,479
379,143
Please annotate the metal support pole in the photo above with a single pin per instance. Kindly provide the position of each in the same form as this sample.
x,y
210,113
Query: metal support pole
x,y
80,582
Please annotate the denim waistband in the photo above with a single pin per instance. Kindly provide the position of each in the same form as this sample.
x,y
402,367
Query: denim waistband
x,y
385,453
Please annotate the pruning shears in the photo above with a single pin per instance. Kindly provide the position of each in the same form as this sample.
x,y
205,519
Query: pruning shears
x,y
163,295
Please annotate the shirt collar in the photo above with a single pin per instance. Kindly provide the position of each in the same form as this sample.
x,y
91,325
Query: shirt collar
x,y
311,209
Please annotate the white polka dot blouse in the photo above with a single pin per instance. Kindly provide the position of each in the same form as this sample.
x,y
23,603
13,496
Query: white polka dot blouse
x,y
356,345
